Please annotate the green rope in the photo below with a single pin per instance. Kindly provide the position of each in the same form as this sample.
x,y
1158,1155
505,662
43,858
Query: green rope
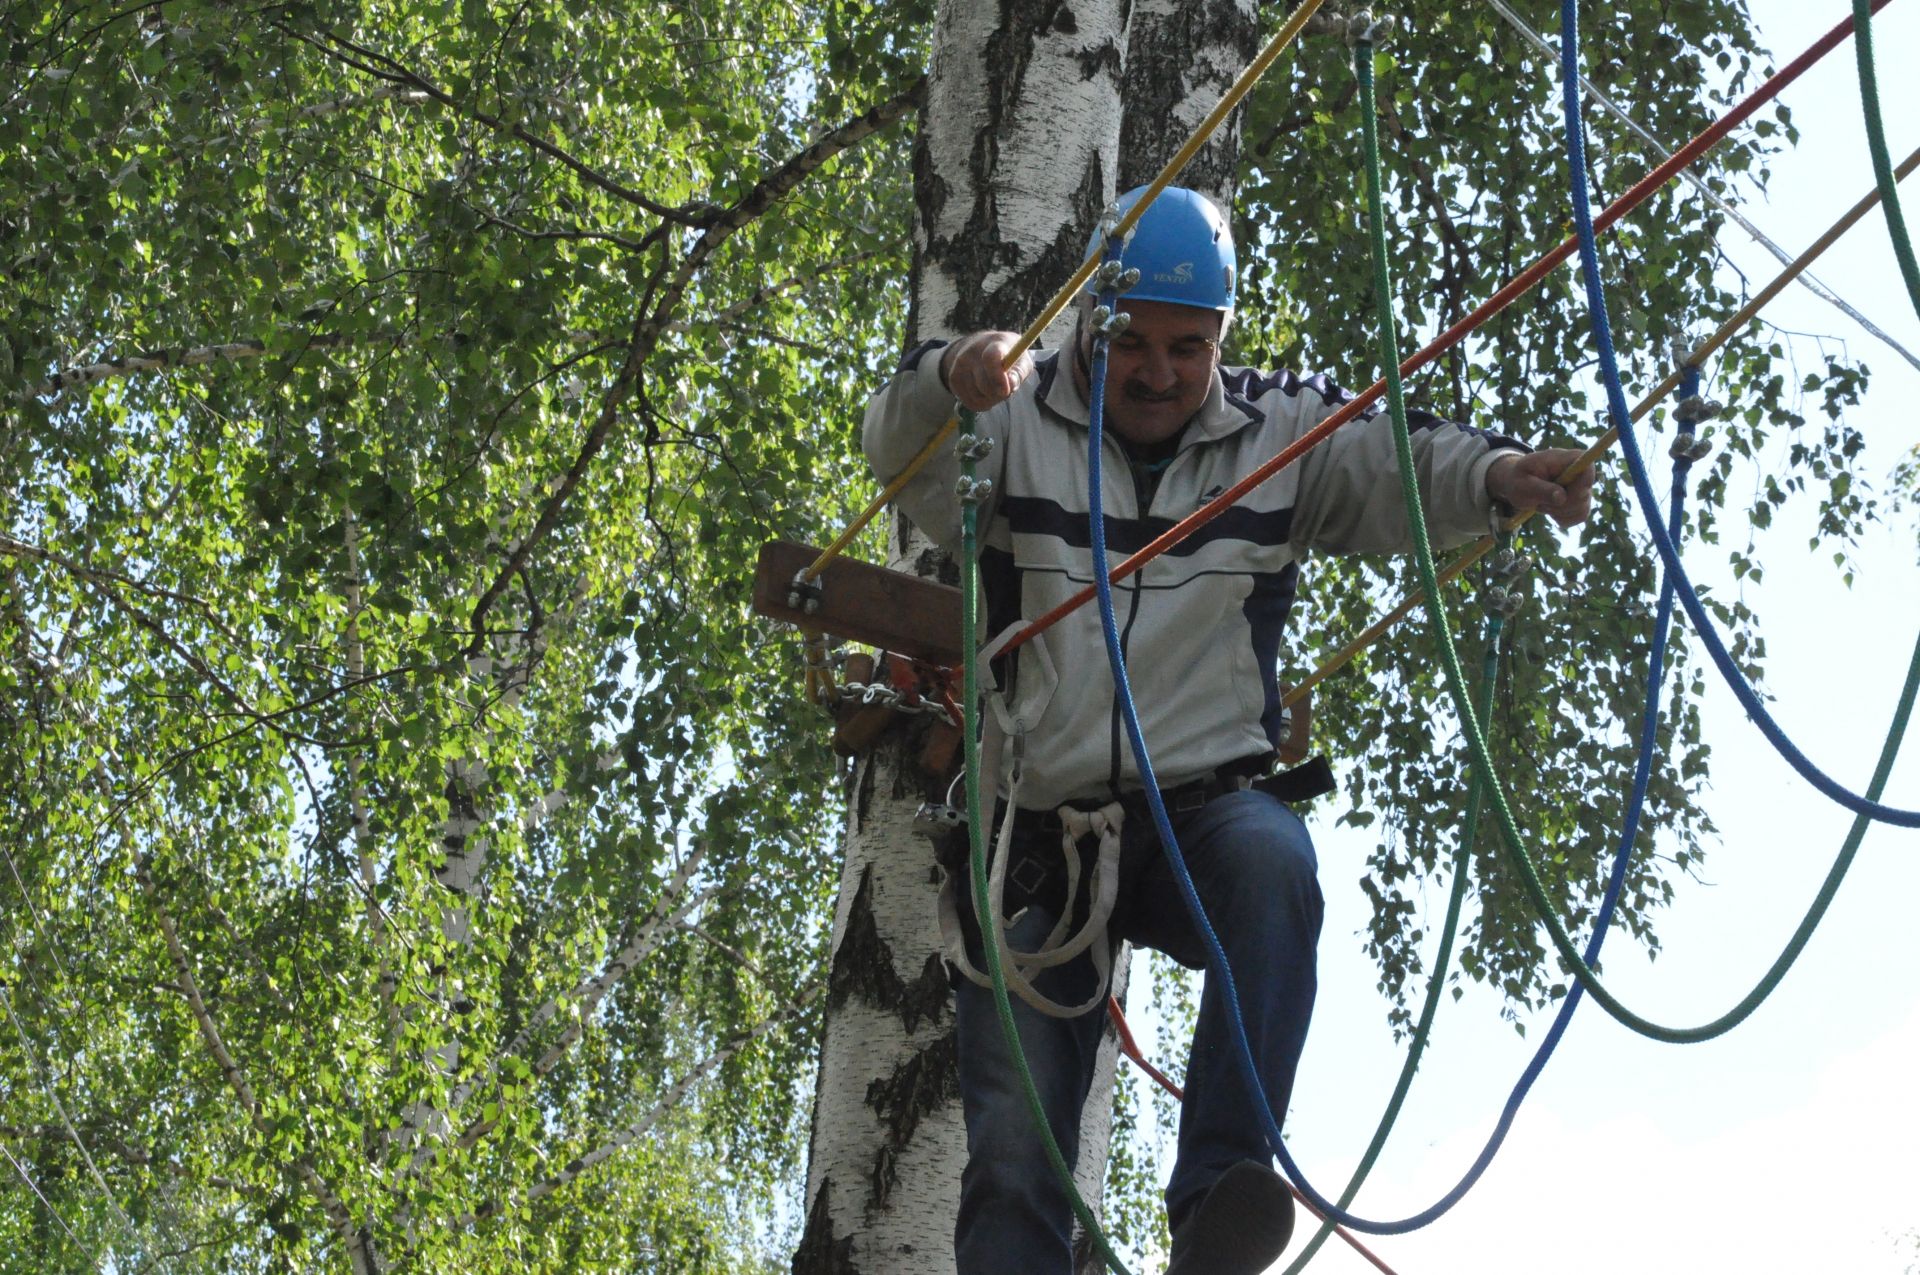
x,y
977,842
1462,859
1482,760
1877,144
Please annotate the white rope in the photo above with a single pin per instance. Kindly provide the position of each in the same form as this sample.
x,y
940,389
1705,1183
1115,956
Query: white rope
x,y
1806,280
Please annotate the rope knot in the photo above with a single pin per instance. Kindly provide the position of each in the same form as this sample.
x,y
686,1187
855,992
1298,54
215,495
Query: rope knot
x,y
1104,822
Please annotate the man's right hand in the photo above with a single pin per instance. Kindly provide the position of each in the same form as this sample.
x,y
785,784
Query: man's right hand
x,y
973,368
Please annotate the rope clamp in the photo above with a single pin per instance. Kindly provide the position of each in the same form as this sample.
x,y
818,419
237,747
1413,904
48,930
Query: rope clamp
x,y
1503,602
973,491
804,594
1109,322
1508,565
1364,28
1113,276
1688,447
1697,411
973,447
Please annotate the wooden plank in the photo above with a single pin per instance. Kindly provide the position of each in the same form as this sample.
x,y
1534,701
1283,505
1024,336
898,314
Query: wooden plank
x,y
863,603
904,614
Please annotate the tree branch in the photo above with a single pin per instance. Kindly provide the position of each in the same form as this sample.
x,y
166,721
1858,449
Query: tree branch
x,y
79,570
587,995
371,62
672,1098
359,1247
165,359
653,317
186,754
169,358
356,785
767,292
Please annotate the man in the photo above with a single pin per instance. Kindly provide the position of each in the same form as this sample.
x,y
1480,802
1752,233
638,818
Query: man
x,y
1201,630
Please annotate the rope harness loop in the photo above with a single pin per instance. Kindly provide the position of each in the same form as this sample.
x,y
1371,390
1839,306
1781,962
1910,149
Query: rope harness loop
x,y
1484,770
1482,760
1704,627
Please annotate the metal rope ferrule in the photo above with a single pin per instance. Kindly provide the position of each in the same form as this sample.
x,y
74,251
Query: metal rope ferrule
x,y
1363,28
973,491
1109,322
1113,277
1688,447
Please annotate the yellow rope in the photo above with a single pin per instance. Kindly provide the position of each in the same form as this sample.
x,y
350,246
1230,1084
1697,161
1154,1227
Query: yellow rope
x,y
1289,31
1585,460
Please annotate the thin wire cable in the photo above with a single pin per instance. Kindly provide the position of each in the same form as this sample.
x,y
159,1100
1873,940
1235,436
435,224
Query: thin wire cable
x,y
1442,960
46,1085
1720,205
24,1177
1518,287
1703,624
33,913
1483,762
1242,85
1698,355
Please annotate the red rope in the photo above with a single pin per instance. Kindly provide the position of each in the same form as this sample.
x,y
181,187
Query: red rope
x,y
1132,1051
1499,301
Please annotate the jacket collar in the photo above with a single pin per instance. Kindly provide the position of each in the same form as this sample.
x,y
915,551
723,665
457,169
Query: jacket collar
x,y
1220,415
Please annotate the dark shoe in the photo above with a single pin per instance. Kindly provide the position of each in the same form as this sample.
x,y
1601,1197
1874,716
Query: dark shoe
x,y
1240,1228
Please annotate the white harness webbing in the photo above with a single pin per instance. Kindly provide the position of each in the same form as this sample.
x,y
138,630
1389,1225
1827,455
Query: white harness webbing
x,y
1059,947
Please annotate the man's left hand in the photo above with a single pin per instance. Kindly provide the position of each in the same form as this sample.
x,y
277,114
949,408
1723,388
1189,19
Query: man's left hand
x,y
1531,480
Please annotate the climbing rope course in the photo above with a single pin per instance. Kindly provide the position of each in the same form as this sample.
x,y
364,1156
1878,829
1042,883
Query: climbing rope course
x,y
1487,797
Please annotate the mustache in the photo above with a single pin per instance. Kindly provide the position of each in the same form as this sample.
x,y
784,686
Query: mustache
x,y
1139,393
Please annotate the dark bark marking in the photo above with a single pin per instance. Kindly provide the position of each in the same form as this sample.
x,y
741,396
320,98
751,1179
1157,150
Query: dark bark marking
x,y
863,966
924,1083
819,1252
1106,58
978,249
1159,66
863,794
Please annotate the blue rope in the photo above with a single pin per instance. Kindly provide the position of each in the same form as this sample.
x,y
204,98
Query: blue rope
x,y
1636,464
1217,964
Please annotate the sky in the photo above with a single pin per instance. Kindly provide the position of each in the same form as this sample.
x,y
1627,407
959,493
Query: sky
x,y
1790,1144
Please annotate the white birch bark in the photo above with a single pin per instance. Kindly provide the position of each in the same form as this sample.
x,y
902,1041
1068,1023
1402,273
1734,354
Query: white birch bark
x,y
1013,164
1182,55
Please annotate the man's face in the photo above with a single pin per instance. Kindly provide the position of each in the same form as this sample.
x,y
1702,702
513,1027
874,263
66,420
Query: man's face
x,y
1159,369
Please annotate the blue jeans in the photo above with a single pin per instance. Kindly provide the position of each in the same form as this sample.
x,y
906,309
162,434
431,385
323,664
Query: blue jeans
x,y
1253,865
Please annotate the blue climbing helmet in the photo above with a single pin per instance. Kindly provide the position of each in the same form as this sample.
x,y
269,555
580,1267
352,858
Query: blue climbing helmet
x,y
1182,247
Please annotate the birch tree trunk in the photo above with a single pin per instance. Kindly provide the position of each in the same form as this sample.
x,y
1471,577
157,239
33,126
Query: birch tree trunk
x,y
1016,157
